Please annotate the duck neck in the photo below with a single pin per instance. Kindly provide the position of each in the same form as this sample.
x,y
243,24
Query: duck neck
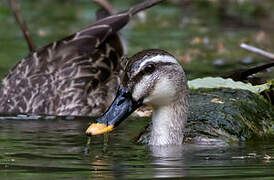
x,y
168,122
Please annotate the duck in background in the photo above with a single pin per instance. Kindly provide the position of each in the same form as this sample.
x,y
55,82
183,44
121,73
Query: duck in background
x,y
78,75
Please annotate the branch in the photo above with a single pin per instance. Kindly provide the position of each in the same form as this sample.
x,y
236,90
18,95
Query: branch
x,y
257,51
16,12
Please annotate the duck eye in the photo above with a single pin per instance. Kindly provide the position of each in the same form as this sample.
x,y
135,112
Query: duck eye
x,y
149,68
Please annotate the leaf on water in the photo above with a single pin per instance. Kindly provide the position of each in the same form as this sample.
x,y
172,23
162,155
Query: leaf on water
x,y
267,157
260,37
196,40
217,100
218,82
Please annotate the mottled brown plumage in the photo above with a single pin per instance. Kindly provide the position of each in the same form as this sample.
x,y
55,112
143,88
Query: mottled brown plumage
x,y
78,75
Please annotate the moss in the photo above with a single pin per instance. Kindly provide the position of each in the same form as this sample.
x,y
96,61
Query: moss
x,y
229,115
226,115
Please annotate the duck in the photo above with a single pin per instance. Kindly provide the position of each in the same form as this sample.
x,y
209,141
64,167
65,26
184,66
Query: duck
x,y
152,77
216,117
77,75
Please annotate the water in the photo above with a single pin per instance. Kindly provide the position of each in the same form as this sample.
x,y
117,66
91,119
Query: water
x,y
55,148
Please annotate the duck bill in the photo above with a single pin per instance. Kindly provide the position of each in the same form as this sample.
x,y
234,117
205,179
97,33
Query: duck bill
x,y
122,106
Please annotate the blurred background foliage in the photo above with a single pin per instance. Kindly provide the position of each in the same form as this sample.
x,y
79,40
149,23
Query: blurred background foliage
x,y
203,34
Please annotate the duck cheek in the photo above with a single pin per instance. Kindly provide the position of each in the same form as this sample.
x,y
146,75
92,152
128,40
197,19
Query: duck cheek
x,y
141,91
163,93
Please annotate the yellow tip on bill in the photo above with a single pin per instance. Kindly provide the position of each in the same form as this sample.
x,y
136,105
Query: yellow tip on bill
x,y
96,129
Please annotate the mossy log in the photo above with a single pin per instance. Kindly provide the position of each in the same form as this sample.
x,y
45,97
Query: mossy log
x,y
226,115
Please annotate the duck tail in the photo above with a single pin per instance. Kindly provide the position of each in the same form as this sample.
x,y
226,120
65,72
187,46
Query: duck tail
x,y
119,20
144,5
256,69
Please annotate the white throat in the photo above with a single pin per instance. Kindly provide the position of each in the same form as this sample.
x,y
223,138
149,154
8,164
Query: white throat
x,y
168,122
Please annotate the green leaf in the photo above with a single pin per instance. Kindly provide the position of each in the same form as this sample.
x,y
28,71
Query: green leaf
x,y
218,82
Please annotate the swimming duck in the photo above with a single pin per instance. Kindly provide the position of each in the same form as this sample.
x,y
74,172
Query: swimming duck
x,y
217,117
77,75
153,77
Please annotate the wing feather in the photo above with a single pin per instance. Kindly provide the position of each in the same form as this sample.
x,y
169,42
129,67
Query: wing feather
x,y
76,75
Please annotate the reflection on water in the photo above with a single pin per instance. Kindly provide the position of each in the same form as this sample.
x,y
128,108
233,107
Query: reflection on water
x,y
168,161
54,148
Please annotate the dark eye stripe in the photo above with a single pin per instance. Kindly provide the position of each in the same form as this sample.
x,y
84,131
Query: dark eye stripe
x,y
148,69
156,65
137,78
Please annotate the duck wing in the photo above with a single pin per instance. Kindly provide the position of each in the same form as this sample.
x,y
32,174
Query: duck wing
x,y
67,77
77,75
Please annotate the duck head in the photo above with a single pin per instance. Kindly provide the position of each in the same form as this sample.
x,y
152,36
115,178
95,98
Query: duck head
x,y
153,77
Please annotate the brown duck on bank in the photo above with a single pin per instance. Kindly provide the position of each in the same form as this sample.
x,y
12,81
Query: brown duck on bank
x,y
78,75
